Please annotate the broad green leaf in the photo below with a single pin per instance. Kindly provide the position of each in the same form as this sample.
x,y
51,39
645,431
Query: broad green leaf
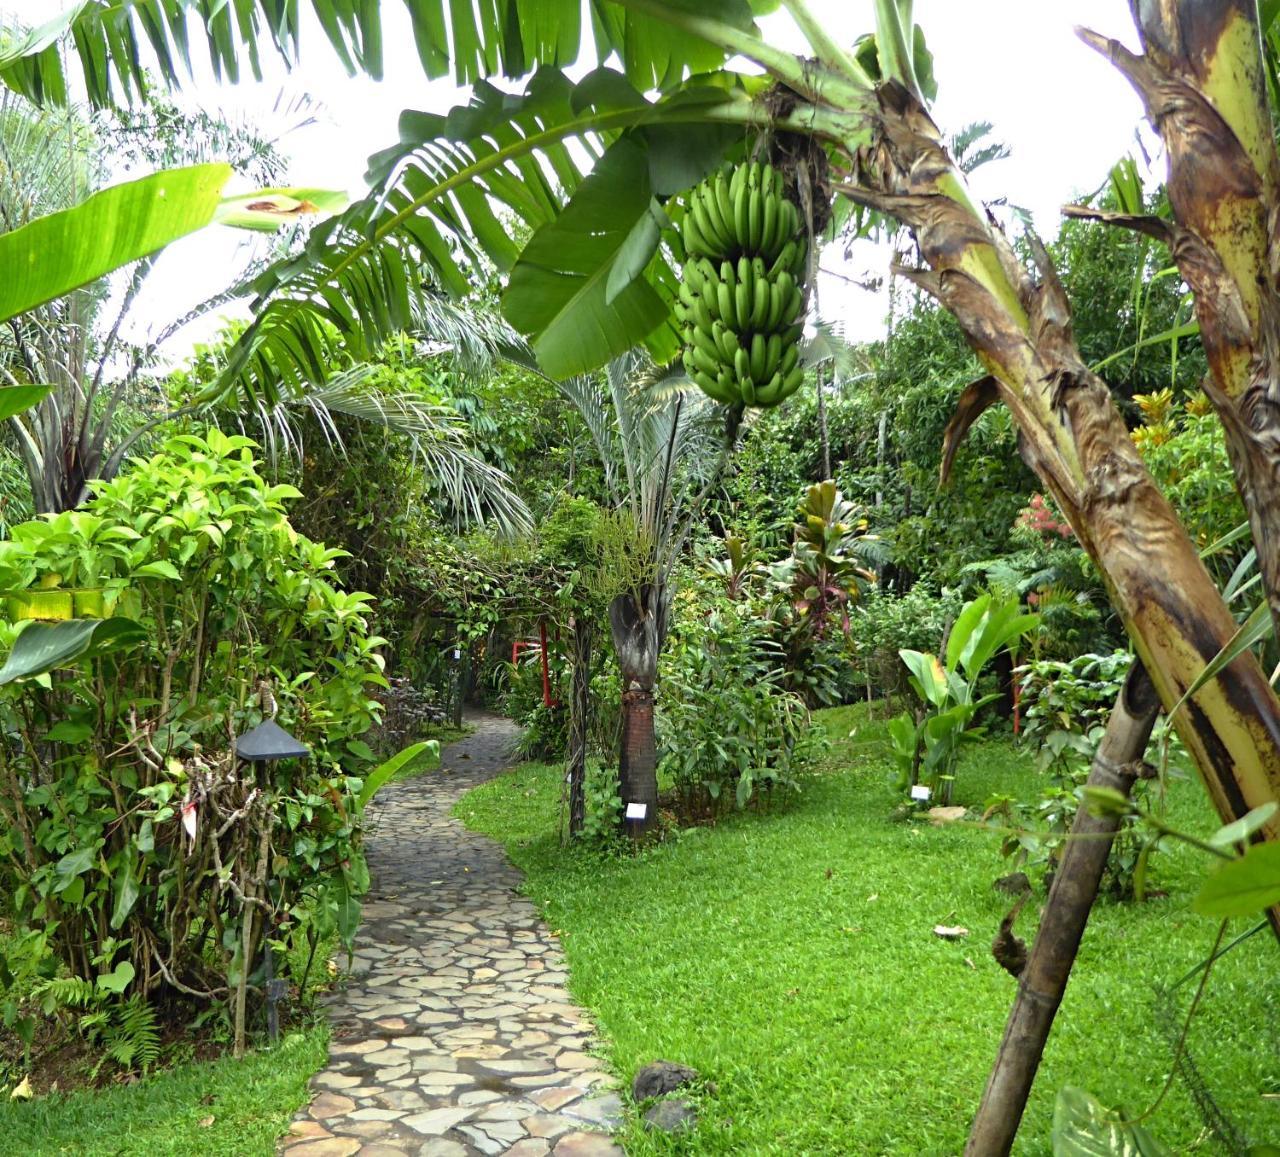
x,y
1083,1127
1244,886
41,647
125,887
269,209
16,399
930,678
74,864
510,37
557,291
346,910
62,251
427,749
118,979
1245,826
637,251
160,568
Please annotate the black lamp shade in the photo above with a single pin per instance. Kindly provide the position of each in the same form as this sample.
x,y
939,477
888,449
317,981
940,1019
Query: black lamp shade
x,y
269,741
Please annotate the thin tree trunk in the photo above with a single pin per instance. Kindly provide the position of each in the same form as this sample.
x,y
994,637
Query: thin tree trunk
x,y
638,764
1075,887
822,429
579,722
638,623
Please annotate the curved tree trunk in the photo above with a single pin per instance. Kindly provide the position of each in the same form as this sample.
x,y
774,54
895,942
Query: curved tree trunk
x,y
638,623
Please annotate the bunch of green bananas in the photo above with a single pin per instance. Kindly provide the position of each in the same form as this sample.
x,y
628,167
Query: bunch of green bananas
x,y
742,287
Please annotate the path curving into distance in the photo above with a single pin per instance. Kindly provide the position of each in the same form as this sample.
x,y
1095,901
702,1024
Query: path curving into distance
x,y
456,1035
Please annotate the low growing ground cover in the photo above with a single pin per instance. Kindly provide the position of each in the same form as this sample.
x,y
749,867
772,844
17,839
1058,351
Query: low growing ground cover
x,y
791,959
226,1107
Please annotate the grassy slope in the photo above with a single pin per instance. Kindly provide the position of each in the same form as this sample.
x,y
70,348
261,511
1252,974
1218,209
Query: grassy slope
x,y
250,1103
790,958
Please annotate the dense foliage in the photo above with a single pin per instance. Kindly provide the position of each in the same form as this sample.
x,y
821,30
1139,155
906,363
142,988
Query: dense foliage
x,y
137,852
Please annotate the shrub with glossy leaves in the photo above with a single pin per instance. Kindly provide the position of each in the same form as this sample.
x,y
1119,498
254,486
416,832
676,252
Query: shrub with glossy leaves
x,y
130,836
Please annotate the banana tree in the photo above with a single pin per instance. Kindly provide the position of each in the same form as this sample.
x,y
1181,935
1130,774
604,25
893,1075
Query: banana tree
x,y
856,126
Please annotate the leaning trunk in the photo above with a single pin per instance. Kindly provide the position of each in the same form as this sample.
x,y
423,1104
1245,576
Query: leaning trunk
x,y
638,623
1075,886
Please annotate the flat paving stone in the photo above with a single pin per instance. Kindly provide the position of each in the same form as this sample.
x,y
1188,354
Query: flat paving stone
x,y
456,1035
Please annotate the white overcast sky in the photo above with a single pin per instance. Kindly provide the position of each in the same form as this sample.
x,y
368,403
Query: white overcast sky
x,y
1064,112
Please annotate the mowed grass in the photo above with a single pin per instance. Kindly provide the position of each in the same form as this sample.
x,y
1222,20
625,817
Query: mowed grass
x,y
226,1107
790,958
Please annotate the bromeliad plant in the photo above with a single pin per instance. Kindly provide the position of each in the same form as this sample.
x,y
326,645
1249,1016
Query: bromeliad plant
x,y
130,838
949,691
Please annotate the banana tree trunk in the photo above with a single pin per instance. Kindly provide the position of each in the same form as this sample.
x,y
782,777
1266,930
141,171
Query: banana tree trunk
x,y
1202,79
1075,440
1075,887
638,624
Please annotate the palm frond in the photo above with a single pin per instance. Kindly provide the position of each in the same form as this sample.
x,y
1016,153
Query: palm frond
x,y
476,492
510,37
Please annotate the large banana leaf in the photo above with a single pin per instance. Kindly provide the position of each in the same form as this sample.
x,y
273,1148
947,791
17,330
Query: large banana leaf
x,y
557,292
431,225
59,252
508,37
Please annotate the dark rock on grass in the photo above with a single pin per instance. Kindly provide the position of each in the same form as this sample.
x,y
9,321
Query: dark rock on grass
x,y
671,1116
659,1078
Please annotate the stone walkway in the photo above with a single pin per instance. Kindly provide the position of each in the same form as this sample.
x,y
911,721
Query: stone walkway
x,y
456,1035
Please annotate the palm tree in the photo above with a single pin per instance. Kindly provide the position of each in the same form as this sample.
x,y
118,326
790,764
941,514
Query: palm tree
x,y
663,446
102,406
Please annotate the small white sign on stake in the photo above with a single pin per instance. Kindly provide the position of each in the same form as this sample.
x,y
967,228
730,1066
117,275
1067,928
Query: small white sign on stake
x,y
637,811
920,791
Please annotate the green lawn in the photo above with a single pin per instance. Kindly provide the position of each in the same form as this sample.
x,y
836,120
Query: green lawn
x,y
225,1107
791,959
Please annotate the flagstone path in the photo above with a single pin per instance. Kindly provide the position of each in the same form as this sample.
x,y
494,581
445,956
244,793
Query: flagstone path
x,y
456,1035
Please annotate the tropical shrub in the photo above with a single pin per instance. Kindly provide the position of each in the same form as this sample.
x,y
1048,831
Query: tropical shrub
x,y
1067,705
949,692
883,623
132,842
729,732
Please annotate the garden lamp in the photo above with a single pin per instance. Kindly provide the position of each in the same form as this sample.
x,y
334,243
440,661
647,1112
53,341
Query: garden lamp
x,y
267,743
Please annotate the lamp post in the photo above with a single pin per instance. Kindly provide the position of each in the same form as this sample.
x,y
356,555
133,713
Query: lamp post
x,y
266,743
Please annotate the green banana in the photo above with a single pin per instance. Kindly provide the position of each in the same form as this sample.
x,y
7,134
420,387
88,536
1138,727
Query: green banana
x,y
725,341
748,390
757,357
790,359
791,382
705,341
724,202
769,228
693,243
792,309
785,259
724,304
700,313
770,394
741,224
755,219
742,301
759,302
742,365
702,361
772,354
